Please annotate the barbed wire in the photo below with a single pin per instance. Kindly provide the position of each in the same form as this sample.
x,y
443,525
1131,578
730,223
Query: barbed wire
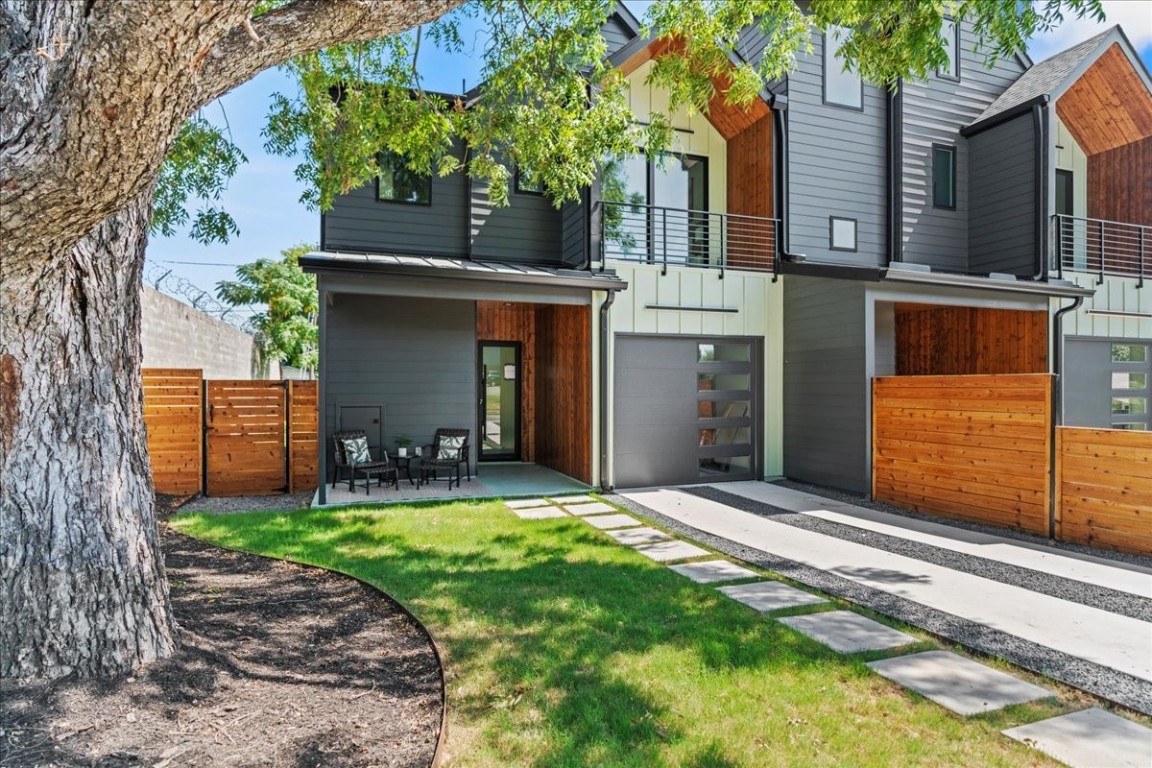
x,y
164,280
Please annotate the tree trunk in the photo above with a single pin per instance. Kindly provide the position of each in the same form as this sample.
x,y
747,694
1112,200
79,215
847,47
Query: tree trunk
x,y
82,587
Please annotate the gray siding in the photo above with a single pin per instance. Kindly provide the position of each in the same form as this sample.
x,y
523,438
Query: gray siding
x,y
527,230
934,112
574,233
615,33
1002,183
360,222
836,166
825,391
414,357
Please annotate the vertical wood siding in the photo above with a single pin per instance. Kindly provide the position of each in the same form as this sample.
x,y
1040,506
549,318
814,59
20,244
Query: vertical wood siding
x,y
942,341
1119,187
564,389
497,321
173,420
972,447
750,179
1104,482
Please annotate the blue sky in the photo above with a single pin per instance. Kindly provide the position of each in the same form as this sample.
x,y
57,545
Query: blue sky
x,y
264,195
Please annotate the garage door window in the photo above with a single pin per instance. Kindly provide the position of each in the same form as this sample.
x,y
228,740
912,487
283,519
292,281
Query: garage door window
x,y
724,386
1130,391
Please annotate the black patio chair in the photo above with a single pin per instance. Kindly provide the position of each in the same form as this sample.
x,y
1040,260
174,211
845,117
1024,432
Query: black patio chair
x,y
343,463
448,451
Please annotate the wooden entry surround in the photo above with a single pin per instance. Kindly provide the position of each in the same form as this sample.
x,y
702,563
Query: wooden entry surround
x,y
556,370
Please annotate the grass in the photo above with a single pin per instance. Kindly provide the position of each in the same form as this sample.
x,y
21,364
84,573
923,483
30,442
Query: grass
x,y
564,648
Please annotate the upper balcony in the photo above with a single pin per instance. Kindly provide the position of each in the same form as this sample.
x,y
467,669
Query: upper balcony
x,y
1101,248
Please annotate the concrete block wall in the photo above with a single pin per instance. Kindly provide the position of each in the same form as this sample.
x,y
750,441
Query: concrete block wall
x,y
175,335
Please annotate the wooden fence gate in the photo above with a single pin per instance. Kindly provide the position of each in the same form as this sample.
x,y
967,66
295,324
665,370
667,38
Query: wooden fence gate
x,y
244,427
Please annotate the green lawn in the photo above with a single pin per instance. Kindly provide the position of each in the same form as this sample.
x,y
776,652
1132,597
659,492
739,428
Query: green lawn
x,y
564,648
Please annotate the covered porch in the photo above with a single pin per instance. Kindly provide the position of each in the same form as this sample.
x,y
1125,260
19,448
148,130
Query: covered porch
x,y
409,345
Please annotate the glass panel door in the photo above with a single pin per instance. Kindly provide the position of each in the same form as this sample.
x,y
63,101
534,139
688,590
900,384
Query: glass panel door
x,y
499,401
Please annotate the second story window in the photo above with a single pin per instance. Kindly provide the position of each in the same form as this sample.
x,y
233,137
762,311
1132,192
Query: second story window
x,y
950,31
842,88
397,184
526,185
943,176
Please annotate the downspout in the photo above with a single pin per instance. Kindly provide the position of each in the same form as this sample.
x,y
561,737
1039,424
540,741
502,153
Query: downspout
x,y
1040,125
605,337
783,237
895,151
1057,415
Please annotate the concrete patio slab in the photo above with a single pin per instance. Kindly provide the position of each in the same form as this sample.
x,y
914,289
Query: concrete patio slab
x,y
711,571
634,537
1091,738
527,503
595,508
770,595
848,632
540,513
580,499
956,683
604,522
671,550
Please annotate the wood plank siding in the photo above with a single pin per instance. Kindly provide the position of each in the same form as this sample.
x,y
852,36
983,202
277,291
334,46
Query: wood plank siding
x,y
1104,487
564,389
1108,106
750,176
1114,191
970,447
502,321
939,340
173,421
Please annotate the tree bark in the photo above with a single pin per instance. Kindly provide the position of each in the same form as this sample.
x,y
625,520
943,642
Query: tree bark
x,y
82,586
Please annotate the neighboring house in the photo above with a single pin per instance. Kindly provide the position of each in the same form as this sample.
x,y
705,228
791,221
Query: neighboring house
x,y
716,316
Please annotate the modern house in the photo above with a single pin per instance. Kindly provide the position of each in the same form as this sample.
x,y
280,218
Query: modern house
x,y
719,313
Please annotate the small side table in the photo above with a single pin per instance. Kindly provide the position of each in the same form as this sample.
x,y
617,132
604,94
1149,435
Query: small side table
x,y
406,463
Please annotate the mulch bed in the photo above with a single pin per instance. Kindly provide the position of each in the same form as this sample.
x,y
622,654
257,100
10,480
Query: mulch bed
x,y
280,665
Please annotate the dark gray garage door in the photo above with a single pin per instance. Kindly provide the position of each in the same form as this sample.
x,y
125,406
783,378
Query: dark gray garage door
x,y
687,409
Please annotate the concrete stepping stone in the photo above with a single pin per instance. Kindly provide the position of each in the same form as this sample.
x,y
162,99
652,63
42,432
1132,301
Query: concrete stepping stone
x,y
527,503
595,508
581,499
540,513
770,595
713,570
634,537
848,632
956,683
1091,738
604,522
666,551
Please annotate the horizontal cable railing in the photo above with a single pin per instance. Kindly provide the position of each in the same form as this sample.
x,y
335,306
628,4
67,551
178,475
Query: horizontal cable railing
x,y
1101,248
680,237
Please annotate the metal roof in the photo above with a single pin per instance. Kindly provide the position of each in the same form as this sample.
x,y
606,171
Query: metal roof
x,y
445,267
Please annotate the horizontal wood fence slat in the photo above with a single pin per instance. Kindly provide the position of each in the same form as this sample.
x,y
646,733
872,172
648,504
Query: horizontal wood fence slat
x,y
1104,486
971,447
230,437
173,422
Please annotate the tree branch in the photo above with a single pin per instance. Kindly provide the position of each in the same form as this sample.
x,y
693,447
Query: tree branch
x,y
309,25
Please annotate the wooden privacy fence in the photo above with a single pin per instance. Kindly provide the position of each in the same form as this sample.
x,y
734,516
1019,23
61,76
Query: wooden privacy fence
x,y
230,437
981,448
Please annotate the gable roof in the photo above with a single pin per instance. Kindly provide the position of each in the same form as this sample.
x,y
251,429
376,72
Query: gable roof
x,y
1053,77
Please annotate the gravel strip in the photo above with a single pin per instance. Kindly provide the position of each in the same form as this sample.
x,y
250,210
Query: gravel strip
x,y
227,505
1102,681
994,530
1084,593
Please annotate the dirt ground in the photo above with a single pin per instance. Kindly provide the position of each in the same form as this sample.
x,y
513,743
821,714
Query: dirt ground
x,y
280,665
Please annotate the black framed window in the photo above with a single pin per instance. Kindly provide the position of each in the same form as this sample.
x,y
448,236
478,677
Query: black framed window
x,y
398,184
943,176
841,87
950,32
526,185
1064,200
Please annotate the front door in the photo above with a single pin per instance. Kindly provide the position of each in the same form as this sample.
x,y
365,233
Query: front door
x,y
499,401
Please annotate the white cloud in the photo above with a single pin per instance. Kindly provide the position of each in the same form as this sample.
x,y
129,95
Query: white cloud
x,y
1135,16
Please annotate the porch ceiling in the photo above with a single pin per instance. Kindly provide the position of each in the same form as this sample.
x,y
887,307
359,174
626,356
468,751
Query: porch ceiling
x,y
1108,106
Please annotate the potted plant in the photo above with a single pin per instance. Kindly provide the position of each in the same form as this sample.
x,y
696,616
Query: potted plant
x,y
402,443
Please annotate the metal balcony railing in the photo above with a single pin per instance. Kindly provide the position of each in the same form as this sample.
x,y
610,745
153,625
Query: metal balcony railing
x,y
1101,248
655,234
